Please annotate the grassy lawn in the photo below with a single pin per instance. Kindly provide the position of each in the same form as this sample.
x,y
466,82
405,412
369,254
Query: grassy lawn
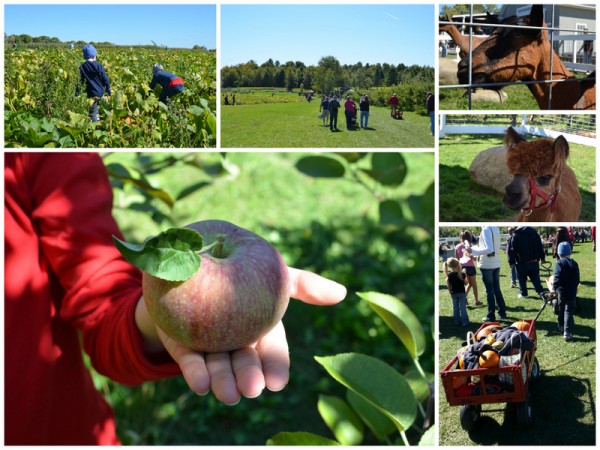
x,y
326,226
518,98
295,125
462,200
563,398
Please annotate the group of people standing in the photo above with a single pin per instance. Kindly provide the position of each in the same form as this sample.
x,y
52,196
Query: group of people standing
x,y
328,112
524,251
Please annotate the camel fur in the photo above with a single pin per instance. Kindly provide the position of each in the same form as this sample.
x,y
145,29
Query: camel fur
x,y
544,161
510,55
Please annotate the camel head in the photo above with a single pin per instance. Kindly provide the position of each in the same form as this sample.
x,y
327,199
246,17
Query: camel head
x,y
509,54
537,167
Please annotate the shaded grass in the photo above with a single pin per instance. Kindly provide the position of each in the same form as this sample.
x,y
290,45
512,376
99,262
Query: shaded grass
x,y
563,399
462,200
297,126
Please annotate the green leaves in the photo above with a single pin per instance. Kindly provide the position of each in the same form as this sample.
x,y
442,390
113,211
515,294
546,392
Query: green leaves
x,y
299,438
400,319
389,169
321,167
377,383
171,255
341,420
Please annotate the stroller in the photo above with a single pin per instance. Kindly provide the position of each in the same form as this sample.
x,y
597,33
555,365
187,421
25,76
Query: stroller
x,y
353,122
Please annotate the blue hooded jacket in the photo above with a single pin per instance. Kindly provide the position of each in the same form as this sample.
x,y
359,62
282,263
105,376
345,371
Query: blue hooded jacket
x,y
95,79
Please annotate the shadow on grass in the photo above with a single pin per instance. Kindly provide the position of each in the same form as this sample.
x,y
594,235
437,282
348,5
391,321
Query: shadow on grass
x,y
463,200
551,426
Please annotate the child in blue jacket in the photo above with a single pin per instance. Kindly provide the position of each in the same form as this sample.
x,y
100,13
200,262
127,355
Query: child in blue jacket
x,y
171,83
96,81
566,280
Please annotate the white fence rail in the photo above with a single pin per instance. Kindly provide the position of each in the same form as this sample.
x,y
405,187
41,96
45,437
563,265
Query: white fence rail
x,y
578,129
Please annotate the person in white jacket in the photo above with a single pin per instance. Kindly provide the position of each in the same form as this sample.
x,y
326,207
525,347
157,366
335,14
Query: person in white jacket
x,y
489,265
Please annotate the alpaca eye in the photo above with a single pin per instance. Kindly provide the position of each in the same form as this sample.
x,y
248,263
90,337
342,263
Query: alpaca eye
x,y
545,180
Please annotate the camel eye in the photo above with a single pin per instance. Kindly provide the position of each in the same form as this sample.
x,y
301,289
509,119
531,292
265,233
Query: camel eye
x,y
545,180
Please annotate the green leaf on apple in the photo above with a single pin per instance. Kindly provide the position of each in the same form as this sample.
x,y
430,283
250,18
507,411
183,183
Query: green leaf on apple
x,y
171,255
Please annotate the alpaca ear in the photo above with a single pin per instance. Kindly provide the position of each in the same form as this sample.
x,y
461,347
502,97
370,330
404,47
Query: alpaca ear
x,y
561,147
512,138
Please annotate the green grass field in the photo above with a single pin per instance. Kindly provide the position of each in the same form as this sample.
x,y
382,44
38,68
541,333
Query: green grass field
x,y
462,200
518,98
328,226
295,125
563,398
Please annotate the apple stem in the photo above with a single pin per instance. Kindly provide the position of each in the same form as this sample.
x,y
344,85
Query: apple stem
x,y
217,250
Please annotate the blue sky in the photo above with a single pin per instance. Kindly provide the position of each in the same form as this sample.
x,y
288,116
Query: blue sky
x,y
352,33
170,25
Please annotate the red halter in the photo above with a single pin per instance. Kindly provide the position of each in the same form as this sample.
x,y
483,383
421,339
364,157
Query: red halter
x,y
549,200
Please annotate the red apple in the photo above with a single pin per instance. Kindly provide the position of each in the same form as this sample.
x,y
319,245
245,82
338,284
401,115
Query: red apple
x,y
240,292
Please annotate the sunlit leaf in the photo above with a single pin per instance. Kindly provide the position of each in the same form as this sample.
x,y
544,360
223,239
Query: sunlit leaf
x,y
401,320
299,438
171,255
341,420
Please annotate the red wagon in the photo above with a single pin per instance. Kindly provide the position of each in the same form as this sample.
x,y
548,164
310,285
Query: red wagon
x,y
472,388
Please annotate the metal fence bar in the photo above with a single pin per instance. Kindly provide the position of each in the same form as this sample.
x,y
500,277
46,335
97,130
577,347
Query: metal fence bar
x,y
551,81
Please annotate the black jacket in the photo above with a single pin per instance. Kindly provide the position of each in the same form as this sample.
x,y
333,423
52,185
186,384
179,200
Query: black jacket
x,y
525,245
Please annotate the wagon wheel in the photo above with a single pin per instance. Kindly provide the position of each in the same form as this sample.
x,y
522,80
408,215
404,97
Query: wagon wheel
x,y
535,370
469,415
524,414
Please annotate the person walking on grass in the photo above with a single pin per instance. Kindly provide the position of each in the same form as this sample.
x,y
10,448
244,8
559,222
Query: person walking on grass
x,y
489,266
324,110
171,83
364,111
393,102
566,280
468,264
455,280
430,105
94,77
525,252
350,111
334,105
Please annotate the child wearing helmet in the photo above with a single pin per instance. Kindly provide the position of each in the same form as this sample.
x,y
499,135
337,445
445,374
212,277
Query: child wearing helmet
x,y
566,280
96,81
171,83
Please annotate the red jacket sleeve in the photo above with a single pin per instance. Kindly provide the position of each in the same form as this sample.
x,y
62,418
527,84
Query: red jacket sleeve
x,y
72,207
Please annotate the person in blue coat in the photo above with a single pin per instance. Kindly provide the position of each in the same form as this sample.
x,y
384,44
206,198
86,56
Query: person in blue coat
x,y
94,77
171,83
566,280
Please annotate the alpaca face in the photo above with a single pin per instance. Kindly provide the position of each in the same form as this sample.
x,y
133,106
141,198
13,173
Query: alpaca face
x,y
537,167
509,54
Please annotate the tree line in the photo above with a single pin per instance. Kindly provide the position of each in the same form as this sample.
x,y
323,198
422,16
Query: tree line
x,y
28,41
327,76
